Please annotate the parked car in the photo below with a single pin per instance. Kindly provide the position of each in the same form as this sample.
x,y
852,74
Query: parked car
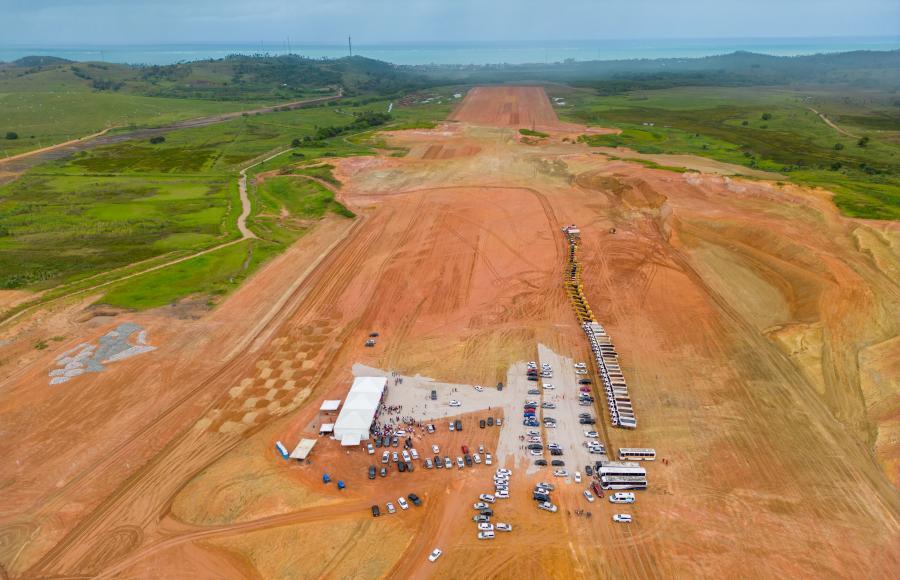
x,y
383,472
558,463
577,477
486,527
438,462
435,449
409,466
375,511
547,506
403,504
465,449
502,493
591,434
447,463
468,459
452,426
499,422
485,535
481,423
371,472
588,495
561,473
414,453
370,448
540,496
428,464
378,442
480,518
414,499
541,462
401,466
490,421
488,460
455,403
458,425
622,518
500,526
390,508
486,497
588,470
477,459
406,456
622,497
480,505
435,554
431,428
395,457
459,462
385,457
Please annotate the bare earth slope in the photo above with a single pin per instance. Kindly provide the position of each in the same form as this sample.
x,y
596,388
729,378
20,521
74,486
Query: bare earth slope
x,y
757,327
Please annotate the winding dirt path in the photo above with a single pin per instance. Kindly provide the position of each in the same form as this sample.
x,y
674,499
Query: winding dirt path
x,y
832,124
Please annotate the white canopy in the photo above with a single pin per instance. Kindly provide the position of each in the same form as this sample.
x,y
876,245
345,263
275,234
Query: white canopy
x,y
330,405
326,428
350,440
303,448
359,409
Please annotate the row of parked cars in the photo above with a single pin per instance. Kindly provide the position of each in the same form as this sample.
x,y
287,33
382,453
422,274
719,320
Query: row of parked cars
x,y
401,501
484,505
541,494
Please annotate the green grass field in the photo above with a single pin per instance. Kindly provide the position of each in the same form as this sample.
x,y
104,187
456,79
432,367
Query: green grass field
x,y
109,207
766,128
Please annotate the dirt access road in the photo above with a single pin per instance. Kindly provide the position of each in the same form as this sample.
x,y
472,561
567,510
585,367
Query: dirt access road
x,y
753,323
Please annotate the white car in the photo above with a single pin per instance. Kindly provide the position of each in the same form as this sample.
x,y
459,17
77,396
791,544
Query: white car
x,y
479,388
548,405
546,485
452,426
435,554
547,506
488,460
403,504
536,453
580,372
499,422
577,477
485,535
414,453
622,518
502,494
400,433
588,495
485,527
390,508
455,403
460,463
580,365
371,449
480,505
477,459
431,428
385,457
561,473
500,526
622,497
532,432
394,457
591,434
406,456
481,449
504,471
447,463
548,387
435,449
486,497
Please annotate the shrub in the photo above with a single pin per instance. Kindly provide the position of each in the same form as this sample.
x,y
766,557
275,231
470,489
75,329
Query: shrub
x,y
766,116
157,140
12,135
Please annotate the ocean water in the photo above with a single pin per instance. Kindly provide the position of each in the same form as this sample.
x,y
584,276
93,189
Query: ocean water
x,y
461,53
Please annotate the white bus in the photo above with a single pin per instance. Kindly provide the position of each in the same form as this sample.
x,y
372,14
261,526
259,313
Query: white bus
x,y
622,482
636,454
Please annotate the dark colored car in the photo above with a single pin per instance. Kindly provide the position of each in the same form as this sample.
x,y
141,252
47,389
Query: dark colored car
x,y
401,466
584,421
375,511
409,466
540,496
384,472
458,425
534,392
589,470
490,421
468,459
532,378
556,452
414,499
558,463
378,442
481,423
409,443
371,472
395,442
434,395
486,512
584,381
597,489
535,446
541,462
438,462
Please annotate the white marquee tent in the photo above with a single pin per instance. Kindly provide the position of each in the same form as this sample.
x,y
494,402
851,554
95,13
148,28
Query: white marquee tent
x,y
358,412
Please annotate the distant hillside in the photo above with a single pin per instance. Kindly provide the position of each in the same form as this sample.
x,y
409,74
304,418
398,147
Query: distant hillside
x,y
860,68
32,61
235,78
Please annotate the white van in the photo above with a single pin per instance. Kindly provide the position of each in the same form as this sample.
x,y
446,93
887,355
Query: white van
x,y
485,535
622,497
622,518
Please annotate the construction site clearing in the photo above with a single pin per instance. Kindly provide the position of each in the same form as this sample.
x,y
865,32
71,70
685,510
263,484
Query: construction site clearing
x,y
752,321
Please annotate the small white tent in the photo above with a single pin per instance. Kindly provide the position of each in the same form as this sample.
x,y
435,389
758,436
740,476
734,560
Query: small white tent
x,y
358,412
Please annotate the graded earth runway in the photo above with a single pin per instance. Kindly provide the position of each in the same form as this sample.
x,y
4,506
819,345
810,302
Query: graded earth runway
x,y
754,325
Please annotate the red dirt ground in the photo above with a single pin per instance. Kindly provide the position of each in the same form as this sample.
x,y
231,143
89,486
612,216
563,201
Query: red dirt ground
x,y
754,323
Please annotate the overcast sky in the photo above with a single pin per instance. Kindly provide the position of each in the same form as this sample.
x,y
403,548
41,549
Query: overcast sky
x,y
149,21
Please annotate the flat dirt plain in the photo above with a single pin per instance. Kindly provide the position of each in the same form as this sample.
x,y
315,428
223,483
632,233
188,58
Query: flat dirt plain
x,y
756,326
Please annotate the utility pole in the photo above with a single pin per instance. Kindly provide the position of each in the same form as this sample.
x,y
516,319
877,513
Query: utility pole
x,y
350,46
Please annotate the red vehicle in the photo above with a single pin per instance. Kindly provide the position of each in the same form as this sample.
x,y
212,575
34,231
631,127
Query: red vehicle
x,y
465,450
597,489
585,389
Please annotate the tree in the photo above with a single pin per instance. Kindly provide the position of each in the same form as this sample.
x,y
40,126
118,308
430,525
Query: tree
x,y
766,116
295,143
745,123
863,141
157,140
11,135
838,146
